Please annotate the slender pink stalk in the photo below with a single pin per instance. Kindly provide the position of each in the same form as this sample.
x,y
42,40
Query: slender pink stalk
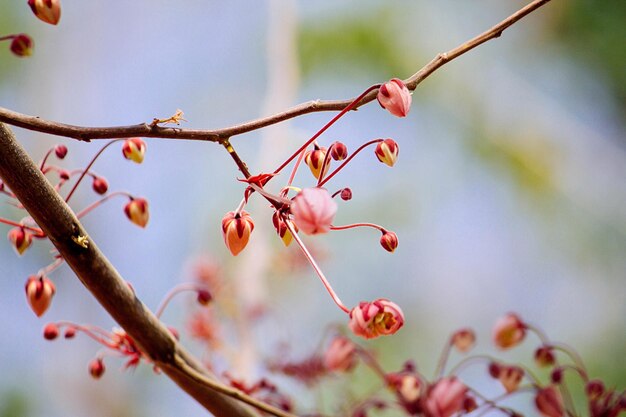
x,y
39,232
95,204
326,126
317,269
354,225
188,286
348,159
93,160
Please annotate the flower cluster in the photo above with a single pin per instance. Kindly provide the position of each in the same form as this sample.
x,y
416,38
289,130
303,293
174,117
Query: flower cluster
x,y
39,288
312,210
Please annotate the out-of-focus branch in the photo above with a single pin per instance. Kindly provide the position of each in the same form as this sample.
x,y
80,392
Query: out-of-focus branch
x,y
219,135
56,219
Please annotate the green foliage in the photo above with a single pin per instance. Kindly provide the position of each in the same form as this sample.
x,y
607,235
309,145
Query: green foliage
x,y
13,404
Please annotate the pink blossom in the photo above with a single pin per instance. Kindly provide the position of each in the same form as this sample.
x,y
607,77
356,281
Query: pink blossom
x,y
509,331
395,97
445,398
340,355
378,318
313,210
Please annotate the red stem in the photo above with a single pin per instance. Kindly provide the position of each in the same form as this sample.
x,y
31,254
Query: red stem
x,y
332,174
95,204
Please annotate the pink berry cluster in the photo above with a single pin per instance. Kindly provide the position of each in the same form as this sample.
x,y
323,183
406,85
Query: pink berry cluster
x,y
311,210
39,287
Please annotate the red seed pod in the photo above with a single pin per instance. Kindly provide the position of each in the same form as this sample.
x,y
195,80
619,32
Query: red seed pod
x,y
51,331
22,45
100,185
60,151
338,151
389,241
96,368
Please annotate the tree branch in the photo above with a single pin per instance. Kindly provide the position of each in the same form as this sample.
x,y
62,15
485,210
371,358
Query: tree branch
x,y
57,220
219,135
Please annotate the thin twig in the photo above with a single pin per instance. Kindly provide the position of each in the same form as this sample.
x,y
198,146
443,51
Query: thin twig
x,y
219,135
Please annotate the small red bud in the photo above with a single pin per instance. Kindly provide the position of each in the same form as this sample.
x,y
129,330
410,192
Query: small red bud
x,y
39,293
70,332
338,151
509,331
346,194
314,159
387,152
494,370
544,356
96,368
60,151
236,230
137,211
594,389
134,149
20,239
51,331
100,185
557,376
463,340
389,241
204,297
22,45
64,174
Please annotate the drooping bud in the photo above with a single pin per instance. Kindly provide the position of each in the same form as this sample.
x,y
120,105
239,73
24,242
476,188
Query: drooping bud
x,y
96,368
509,331
387,152
137,211
346,194
446,397
395,97
60,151
22,45
134,149
313,210
549,402
510,377
389,241
544,356
340,355
20,239
377,318
556,376
100,185
281,228
338,151
48,11
594,389
463,340
70,332
51,331
39,293
315,159
236,229
204,297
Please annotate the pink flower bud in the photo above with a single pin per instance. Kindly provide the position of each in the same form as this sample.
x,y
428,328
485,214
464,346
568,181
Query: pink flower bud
x,y
313,210
389,241
510,377
594,389
544,356
20,239
446,398
463,340
134,149
60,151
100,185
137,211
281,228
340,355
39,293
314,159
387,152
395,97
96,368
22,45
338,151
509,331
549,402
70,332
236,229
64,174
378,318
346,194
47,10
51,331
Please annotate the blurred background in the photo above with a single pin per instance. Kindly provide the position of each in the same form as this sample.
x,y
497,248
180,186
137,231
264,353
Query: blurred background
x,y
509,193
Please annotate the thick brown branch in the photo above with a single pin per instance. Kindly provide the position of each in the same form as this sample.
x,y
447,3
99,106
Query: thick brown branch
x,y
60,224
147,130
